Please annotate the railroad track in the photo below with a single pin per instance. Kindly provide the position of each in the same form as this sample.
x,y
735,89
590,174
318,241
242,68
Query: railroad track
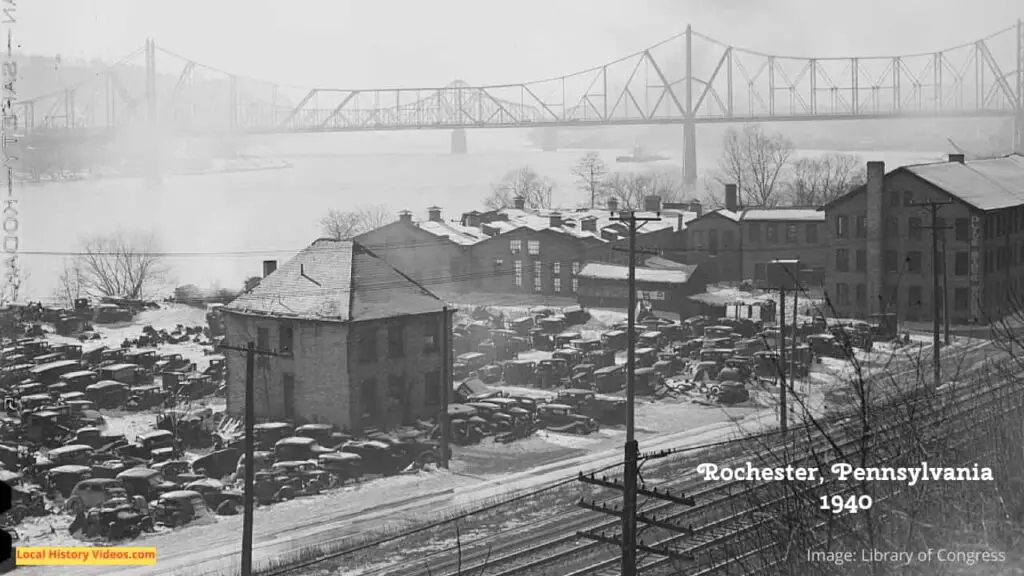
x,y
509,557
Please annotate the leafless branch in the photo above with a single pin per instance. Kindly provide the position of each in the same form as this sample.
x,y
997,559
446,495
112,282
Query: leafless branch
x,y
120,265
755,160
340,224
590,171
535,189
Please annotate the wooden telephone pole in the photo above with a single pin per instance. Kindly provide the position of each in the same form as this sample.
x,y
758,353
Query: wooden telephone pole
x,y
937,269
250,449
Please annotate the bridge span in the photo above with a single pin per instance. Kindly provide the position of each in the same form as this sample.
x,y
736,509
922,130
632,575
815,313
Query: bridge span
x,y
686,80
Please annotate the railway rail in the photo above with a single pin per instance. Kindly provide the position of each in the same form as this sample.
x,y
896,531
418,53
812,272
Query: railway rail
x,y
510,556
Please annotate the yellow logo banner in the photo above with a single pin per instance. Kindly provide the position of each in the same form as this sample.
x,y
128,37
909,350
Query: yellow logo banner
x,y
92,556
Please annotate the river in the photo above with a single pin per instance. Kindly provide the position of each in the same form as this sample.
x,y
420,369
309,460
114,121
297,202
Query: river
x,y
219,227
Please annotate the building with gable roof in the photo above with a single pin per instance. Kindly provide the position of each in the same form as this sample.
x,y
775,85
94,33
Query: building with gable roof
x,y
358,343
881,251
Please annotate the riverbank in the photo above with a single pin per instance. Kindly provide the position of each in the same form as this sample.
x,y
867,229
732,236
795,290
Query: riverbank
x,y
216,166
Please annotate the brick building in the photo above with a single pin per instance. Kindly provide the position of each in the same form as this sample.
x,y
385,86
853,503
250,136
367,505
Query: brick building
x,y
358,343
735,243
433,252
881,250
667,287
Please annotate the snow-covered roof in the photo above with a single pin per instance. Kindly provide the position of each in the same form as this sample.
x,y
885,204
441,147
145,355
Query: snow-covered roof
x,y
457,233
603,271
783,214
987,184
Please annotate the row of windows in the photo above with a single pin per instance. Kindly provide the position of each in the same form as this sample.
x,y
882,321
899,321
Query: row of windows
x,y
769,233
396,392
538,277
396,339
916,228
914,297
995,260
532,246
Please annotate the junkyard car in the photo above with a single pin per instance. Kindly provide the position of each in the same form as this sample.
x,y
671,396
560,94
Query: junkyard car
x,y
145,482
93,492
181,507
562,418
219,497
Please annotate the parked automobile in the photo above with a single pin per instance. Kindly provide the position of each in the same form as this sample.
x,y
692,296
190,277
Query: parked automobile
x,y
172,363
297,448
180,507
50,373
342,466
519,372
268,433
609,379
145,482
177,471
324,434
302,478
107,394
63,479
562,418
129,374
93,492
220,498
156,445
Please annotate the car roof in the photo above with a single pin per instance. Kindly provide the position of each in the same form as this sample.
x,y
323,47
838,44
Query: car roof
x,y
295,441
557,406
180,495
99,482
155,433
72,468
138,473
69,449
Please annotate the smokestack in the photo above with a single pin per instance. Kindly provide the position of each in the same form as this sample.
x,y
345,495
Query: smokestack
x,y
613,204
269,267
875,220
555,220
679,222
588,224
405,216
519,202
731,198
957,158
652,203
434,214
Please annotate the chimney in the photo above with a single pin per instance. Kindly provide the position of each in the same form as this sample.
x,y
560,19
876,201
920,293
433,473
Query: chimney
x,y
697,208
652,203
679,222
957,158
588,225
613,204
555,220
875,217
731,198
269,267
405,216
519,202
434,214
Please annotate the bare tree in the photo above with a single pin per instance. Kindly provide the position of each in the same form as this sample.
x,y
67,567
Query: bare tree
x,y
818,181
631,188
342,224
70,283
590,171
524,182
755,160
120,265
15,277
251,283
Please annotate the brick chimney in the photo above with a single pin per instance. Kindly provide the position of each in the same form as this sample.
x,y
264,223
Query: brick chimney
x,y
957,158
652,203
405,216
555,220
519,202
588,224
613,204
732,202
875,216
434,214
269,267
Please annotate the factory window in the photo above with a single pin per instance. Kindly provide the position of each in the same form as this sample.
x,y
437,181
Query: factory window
x,y
811,231
960,299
262,338
556,268
575,281
698,239
754,232
908,198
556,276
862,260
368,396
396,389
841,226
516,246
533,246
862,295
894,198
892,261
432,388
558,285
842,294
791,233
285,337
537,277
914,228
892,226
518,265
962,227
842,260
396,340
772,233
498,263
368,345
431,333
914,262
862,226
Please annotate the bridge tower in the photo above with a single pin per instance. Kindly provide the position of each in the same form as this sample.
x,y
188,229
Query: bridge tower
x,y
1018,124
152,131
689,122
460,145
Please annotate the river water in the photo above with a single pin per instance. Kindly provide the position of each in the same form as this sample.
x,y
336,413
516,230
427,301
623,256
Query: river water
x,y
219,227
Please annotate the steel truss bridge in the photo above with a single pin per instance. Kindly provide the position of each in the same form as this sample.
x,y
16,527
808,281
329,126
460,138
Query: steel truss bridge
x,y
688,79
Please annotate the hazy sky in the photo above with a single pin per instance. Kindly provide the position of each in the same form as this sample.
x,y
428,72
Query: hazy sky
x,y
368,43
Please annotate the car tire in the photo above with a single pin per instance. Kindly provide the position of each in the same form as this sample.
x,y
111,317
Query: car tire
x,y
74,507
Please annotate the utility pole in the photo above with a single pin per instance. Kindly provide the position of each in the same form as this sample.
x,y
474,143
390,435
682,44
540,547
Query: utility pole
x,y
783,408
936,308
945,295
632,449
250,449
446,384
